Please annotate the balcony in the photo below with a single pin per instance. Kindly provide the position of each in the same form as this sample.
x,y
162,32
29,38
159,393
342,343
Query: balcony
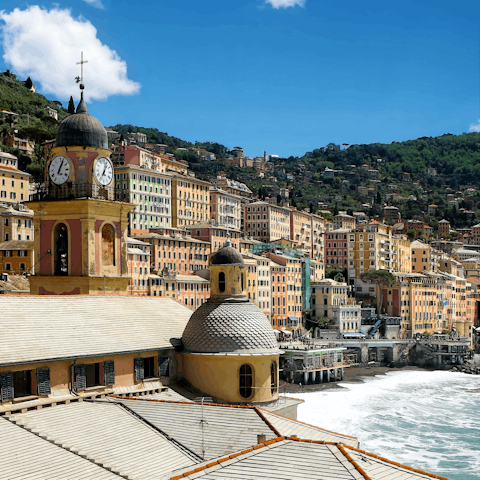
x,y
71,190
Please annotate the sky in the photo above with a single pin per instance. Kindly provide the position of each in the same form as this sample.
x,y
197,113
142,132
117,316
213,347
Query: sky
x,y
285,76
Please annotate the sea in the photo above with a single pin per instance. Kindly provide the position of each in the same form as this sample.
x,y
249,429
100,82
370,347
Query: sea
x,y
429,420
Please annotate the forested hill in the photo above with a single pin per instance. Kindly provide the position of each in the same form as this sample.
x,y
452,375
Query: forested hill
x,y
455,157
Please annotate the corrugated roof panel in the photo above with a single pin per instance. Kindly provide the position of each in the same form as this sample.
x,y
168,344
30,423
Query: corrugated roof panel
x,y
51,327
110,435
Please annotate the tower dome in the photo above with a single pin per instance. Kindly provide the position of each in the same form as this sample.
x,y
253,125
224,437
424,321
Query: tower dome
x,y
81,129
229,326
227,255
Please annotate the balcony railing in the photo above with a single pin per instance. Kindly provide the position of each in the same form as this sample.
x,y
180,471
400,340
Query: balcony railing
x,y
71,190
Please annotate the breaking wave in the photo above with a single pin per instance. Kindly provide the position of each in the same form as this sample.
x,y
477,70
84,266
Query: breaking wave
x,y
426,419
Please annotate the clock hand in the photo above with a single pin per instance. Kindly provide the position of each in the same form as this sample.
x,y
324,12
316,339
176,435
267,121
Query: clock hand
x,y
61,165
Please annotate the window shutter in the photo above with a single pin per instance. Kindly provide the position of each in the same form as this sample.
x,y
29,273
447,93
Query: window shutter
x,y
139,370
6,385
164,365
43,381
80,378
109,372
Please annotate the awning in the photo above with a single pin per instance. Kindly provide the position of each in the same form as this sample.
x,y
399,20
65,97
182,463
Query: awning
x,y
286,332
354,334
293,318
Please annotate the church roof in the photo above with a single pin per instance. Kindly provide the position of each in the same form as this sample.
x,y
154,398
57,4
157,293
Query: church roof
x,y
233,325
36,328
81,129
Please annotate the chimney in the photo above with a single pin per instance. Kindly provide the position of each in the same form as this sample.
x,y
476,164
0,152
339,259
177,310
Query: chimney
x,y
261,438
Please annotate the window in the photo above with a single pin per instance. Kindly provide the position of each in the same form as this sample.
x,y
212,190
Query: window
x,y
108,245
221,281
246,381
61,249
273,378
144,368
87,375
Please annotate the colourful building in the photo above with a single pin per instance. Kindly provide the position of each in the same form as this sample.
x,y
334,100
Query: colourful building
x,y
14,184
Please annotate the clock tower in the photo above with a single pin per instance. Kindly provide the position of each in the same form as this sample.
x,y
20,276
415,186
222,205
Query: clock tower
x,y
81,219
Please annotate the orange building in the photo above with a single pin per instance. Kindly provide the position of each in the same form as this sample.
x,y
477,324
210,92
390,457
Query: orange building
x,y
16,257
175,250
138,267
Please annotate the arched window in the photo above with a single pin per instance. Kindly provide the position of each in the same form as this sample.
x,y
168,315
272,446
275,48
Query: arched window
x,y
273,378
246,381
61,250
221,281
243,282
108,245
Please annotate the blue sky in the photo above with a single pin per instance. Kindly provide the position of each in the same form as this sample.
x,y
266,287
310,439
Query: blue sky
x,y
285,76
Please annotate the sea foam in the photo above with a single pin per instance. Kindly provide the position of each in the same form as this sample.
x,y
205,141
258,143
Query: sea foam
x,y
426,419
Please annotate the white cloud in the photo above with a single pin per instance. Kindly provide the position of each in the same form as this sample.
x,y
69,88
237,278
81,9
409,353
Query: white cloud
x,y
46,46
95,3
285,3
475,127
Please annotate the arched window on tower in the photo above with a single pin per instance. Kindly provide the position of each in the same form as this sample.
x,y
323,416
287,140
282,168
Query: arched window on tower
x,y
273,378
246,381
221,281
108,245
61,250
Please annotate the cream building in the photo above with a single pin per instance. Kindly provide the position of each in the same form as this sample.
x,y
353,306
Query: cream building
x,y
225,208
190,201
14,184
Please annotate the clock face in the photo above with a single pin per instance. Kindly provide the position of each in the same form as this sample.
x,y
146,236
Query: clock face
x,y
59,170
103,170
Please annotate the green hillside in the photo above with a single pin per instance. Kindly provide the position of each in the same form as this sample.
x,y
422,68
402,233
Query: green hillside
x,y
33,122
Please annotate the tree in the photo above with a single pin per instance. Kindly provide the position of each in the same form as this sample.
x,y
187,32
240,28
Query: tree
x,y
381,278
71,106
339,278
28,83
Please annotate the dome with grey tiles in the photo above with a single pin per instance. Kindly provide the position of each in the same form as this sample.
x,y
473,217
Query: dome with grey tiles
x,y
227,255
229,326
81,129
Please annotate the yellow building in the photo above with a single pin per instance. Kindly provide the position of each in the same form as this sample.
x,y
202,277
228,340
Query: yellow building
x,y
16,222
190,201
14,184
424,257
230,351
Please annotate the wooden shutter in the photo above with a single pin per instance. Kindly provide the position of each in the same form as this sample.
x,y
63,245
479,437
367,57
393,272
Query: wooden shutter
x,y
80,378
6,386
43,381
163,365
109,372
139,370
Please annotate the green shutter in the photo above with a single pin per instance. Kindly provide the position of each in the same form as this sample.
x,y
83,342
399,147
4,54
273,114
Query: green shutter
x,y
6,385
139,370
43,381
80,378
164,365
109,372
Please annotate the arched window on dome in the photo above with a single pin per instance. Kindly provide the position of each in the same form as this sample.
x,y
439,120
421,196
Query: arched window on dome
x,y
273,378
221,281
246,381
108,245
61,249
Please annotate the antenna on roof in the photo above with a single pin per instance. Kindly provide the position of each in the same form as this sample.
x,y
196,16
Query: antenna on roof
x,y
80,78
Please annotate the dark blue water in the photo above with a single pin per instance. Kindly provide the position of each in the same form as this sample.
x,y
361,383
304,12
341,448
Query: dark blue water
x,y
427,420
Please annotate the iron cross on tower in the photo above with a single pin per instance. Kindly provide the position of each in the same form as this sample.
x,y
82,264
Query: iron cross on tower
x,y
80,79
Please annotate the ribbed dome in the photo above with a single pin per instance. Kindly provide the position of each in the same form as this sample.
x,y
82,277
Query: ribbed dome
x,y
229,326
227,255
81,129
